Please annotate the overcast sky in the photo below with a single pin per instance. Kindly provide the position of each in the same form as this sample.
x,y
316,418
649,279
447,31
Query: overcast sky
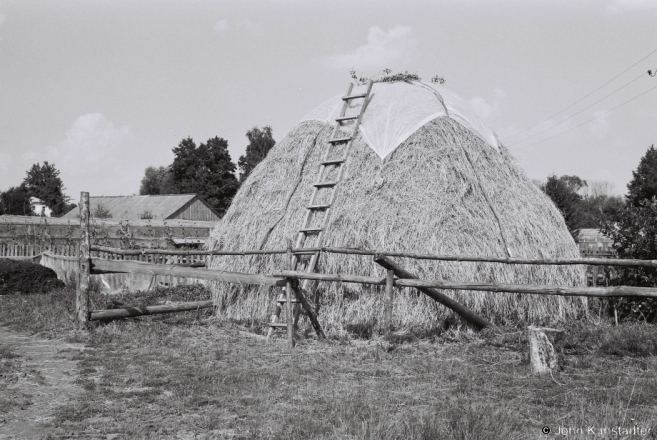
x,y
103,89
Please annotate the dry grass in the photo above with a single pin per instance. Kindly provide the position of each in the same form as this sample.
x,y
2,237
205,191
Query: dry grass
x,y
183,375
431,195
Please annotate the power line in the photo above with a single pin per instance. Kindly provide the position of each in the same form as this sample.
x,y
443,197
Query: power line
x,y
582,99
572,116
587,121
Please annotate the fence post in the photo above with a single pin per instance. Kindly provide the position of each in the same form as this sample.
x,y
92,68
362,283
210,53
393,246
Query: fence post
x,y
387,313
84,264
288,298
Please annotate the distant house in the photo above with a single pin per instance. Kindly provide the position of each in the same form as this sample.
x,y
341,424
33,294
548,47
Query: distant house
x,y
160,207
593,243
39,207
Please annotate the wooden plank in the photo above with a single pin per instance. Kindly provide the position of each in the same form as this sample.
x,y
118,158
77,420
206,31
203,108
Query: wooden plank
x,y
84,264
324,184
434,294
329,277
340,140
127,312
110,266
487,259
334,161
185,252
350,97
610,292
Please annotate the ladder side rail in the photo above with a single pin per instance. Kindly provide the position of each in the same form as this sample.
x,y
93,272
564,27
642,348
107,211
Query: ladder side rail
x,y
302,235
362,108
345,105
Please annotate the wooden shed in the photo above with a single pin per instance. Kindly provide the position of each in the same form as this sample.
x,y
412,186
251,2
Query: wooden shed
x,y
159,207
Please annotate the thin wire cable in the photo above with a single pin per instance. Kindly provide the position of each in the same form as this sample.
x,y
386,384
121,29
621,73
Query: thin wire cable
x,y
582,99
587,121
575,114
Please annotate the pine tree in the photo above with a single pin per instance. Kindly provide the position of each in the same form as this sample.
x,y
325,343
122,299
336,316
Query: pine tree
x,y
643,185
43,182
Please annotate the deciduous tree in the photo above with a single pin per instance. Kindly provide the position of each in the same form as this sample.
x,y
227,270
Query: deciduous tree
x,y
634,230
206,170
16,201
260,142
157,180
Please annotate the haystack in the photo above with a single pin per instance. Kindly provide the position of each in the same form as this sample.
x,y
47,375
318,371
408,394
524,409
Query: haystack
x,y
424,175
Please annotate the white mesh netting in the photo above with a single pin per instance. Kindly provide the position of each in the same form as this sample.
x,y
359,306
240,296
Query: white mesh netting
x,y
397,110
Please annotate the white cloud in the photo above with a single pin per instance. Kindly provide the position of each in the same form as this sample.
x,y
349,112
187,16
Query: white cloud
x,y
485,110
384,49
619,6
94,156
222,26
3,18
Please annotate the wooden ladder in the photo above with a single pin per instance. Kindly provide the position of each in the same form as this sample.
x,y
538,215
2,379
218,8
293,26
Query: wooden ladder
x,y
318,210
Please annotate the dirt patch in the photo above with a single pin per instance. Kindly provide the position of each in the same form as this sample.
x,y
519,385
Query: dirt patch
x,y
37,376
24,277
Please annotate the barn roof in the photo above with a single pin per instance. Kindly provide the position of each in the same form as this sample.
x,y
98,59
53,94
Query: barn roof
x,y
133,207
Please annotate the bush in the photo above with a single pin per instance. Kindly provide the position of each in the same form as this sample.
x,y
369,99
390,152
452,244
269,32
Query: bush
x,y
27,277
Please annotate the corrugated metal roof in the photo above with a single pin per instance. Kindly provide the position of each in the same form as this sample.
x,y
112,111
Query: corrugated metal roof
x,y
134,207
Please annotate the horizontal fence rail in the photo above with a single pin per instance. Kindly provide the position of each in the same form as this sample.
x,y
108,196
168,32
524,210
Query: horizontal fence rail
x,y
615,291
100,266
373,253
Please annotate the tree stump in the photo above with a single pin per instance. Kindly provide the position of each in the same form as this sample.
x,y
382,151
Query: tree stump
x,y
542,355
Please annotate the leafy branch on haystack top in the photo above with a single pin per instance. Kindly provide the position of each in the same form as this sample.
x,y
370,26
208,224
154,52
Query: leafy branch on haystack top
x,y
386,75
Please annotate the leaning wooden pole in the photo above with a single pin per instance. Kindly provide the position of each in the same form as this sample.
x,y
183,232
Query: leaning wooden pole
x,y
434,294
309,311
288,298
387,312
84,264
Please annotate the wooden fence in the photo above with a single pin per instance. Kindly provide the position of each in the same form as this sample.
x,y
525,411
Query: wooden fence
x,y
161,256
25,250
98,259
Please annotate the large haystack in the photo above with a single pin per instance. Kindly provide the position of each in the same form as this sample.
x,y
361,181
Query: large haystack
x,y
443,190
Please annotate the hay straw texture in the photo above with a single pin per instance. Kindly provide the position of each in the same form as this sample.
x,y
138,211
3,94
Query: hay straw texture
x,y
442,191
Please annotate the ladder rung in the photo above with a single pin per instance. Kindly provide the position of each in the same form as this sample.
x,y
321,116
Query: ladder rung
x,y
318,207
311,230
346,118
360,95
334,161
324,184
340,140
278,325
302,253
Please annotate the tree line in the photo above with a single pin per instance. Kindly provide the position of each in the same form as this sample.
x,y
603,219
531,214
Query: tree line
x,y
206,170
630,221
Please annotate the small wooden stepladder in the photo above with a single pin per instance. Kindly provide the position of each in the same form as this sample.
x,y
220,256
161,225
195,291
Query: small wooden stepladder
x,y
311,234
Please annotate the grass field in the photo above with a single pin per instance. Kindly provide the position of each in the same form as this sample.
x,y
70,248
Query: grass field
x,y
190,375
